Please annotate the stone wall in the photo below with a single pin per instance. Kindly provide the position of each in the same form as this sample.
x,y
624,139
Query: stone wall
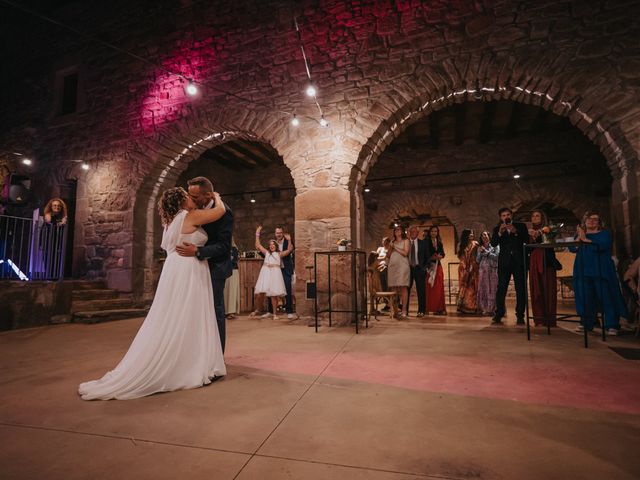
x,y
30,304
378,66
271,208
578,180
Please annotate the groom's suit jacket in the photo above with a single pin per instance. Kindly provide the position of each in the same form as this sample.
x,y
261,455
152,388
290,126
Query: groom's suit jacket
x,y
217,250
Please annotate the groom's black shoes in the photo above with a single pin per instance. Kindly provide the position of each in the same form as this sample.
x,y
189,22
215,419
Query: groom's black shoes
x,y
215,378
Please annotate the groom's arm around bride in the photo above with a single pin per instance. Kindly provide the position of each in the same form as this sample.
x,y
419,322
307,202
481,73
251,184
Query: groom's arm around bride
x,y
217,250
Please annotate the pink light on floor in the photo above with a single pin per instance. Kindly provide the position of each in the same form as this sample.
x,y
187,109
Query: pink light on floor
x,y
167,99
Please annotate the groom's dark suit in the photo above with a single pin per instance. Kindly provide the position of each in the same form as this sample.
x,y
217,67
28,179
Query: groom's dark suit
x,y
217,251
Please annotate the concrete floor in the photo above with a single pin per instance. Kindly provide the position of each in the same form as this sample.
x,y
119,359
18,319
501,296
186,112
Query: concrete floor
x,y
446,398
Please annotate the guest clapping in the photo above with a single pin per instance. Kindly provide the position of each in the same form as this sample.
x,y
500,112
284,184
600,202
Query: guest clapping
x,y
542,274
595,280
487,258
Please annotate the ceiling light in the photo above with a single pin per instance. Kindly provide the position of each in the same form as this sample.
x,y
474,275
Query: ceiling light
x,y
294,121
311,91
323,122
85,166
26,161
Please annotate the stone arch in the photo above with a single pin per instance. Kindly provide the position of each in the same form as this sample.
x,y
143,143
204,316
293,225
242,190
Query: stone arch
x,y
166,155
594,121
577,204
405,201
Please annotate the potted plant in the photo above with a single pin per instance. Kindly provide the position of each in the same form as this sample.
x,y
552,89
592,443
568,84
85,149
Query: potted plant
x,y
343,243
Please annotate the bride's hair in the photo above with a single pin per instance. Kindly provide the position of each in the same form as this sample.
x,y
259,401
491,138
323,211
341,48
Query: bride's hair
x,y
171,203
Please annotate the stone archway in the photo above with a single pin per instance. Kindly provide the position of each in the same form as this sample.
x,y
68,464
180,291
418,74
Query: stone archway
x,y
378,221
587,116
165,157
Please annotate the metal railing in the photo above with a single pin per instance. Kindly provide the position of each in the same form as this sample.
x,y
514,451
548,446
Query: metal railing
x,y
31,249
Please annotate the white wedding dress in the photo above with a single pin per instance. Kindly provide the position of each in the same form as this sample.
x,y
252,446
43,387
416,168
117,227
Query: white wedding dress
x,y
178,345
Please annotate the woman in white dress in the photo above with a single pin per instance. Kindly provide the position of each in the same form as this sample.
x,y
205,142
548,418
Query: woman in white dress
x,y
178,345
270,281
398,271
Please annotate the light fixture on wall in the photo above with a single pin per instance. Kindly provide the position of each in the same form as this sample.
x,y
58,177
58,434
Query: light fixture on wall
x,y
27,161
366,189
516,174
253,199
191,88
85,166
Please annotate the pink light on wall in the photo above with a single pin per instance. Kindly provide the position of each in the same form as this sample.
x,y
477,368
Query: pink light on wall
x,y
165,99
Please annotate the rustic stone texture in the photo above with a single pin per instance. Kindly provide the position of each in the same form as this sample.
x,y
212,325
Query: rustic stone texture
x,y
377,64
28,304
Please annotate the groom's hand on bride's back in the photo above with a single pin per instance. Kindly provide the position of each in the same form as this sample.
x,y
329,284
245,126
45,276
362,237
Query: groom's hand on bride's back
x,y
187,249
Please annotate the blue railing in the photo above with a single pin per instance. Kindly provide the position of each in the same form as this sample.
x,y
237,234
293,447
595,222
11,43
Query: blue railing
x,y
31,249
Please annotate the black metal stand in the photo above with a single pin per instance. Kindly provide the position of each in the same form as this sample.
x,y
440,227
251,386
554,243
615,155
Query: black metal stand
x,y
561,317
358,279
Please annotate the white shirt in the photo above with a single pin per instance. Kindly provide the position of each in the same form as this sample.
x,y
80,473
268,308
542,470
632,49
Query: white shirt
x,y
208,205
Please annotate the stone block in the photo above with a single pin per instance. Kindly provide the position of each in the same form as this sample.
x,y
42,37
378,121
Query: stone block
x,y
119,280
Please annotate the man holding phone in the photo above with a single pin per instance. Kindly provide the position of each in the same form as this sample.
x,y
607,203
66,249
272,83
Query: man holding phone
x,y
511,236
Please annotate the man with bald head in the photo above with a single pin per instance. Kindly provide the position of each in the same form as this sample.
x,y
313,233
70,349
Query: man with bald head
x,y
418,263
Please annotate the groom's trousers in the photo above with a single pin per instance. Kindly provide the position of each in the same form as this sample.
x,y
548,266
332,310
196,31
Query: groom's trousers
x,y
218,303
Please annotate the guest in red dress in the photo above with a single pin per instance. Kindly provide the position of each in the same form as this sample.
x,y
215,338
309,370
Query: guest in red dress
x,y
435,274
542,275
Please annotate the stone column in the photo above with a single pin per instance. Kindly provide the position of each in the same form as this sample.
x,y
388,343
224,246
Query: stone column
x,y
625,201
323,216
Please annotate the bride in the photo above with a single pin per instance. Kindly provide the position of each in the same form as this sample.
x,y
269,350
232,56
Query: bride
x,y
178,345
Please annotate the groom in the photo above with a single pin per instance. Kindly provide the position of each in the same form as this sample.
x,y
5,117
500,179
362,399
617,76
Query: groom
x,y
217,250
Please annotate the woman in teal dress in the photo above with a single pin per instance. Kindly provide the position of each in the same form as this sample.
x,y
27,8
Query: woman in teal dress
x,y
595,280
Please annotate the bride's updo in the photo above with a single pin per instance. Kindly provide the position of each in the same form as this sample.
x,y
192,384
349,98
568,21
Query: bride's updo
x,y
171,203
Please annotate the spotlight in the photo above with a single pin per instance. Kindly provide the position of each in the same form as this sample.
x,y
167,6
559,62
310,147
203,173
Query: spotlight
x,y
191,89
323,122
516,176
311,91
26,161
294,121
367,189
85,166
253,199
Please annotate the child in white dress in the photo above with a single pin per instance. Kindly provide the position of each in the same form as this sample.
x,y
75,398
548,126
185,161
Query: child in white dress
x,y
270,281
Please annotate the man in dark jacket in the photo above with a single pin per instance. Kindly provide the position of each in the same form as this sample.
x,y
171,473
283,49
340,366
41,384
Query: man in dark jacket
x,y
418,262
511,237
217,250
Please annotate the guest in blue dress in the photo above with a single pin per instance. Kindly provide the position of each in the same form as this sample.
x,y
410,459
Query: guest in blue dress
x,y
595,280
